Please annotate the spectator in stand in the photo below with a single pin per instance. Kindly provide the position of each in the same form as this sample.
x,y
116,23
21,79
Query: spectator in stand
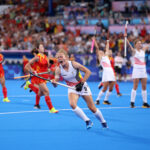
x,y
135,31
143,32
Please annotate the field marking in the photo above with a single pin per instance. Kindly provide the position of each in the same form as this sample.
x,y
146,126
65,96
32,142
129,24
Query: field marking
x,y
65,95
37,111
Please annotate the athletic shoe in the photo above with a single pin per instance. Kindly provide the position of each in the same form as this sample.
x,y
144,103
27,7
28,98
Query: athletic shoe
x,y
106,103
100,85
146,105
53,110
132,105
104,125
119,94
97,102
37,107
89,124
27,85
6,100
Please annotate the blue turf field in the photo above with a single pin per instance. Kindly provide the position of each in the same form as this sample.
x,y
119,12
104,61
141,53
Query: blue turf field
x,y
23,128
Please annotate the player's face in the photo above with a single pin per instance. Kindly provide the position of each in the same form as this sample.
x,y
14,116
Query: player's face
x,y
41,48
138,45
61,58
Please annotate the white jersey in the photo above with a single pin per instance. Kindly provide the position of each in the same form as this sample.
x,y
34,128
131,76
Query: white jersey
x,y
105,63
72,77
139,59
108,73
139,66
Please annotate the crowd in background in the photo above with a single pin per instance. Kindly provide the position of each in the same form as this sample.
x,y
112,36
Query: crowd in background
x,y
26,24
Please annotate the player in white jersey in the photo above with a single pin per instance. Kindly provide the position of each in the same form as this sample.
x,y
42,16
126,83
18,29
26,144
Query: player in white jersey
x,y
139,72
108,77
70,71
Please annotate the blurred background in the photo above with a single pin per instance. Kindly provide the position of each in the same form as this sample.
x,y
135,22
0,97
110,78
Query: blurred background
x,y
69,25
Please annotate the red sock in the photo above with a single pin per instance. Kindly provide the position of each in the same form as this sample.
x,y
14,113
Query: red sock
x,y
48,101
117,88
33,88
4,91
37,99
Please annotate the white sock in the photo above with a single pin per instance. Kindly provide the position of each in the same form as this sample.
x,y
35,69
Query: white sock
x,y
99,95
144,96
133,95
99,116
79,112
107,95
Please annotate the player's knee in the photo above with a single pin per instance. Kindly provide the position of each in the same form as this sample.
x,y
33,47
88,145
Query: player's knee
x,y
92,108
144,87
73,105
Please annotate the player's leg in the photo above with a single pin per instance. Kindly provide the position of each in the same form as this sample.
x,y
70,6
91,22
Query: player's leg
x,y
4,89
44,89
31,86
108,93
133,92
97,112
100,94
144,93
117,89
73,99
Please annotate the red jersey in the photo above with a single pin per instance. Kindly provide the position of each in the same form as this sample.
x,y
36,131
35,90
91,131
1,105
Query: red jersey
x,y
40,66
1,66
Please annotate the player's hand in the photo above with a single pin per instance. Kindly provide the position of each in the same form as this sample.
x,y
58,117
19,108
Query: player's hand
x,y
79,86
53,81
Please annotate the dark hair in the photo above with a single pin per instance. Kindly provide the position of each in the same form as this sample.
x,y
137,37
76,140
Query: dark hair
x,y
34,51
51,61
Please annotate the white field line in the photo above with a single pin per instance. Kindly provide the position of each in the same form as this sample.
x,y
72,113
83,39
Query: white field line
x,y
65,95
37,111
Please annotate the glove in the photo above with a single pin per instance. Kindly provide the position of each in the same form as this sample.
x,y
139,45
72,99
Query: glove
x,y
79,86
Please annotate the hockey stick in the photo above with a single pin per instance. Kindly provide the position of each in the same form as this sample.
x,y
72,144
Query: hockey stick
x,y
29,75
52,82
125,40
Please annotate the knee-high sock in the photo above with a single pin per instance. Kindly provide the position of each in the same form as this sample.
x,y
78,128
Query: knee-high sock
x,y
144,96
4,91
34,88
117,88
107,95
79,112
133,95
48,102
99,116
100,94
37,99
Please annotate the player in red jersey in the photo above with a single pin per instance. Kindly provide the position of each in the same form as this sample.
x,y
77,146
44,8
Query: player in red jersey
x,y
2,80
42,64
112,65
32,85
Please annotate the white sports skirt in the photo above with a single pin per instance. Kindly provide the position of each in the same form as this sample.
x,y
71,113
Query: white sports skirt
x,y
85,90
139,73
108,75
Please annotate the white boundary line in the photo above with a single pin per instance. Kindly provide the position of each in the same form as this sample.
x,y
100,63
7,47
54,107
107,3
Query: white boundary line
x,y
35,111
